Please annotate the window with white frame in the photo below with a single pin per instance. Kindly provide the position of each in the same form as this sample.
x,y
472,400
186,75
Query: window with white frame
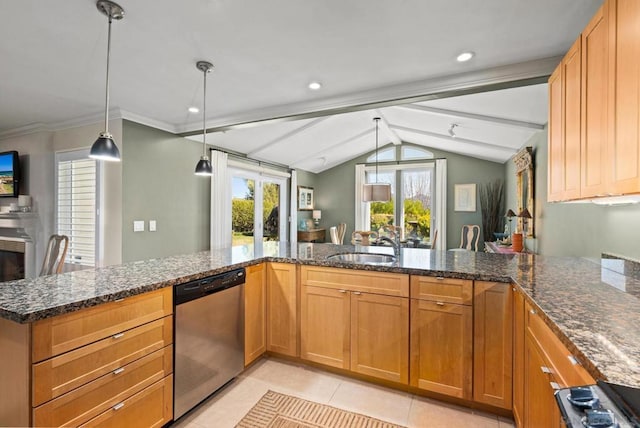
x,y
76,205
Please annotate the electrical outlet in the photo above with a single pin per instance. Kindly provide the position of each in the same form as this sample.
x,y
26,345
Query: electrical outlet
x,y
152,225
138,225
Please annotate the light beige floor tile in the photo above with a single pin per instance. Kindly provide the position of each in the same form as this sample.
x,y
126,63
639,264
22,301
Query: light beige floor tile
x,y
297,380
372,400
506,423
431,413
230,405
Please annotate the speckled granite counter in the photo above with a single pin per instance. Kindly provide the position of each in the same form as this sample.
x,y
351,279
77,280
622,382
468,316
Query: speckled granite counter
x,y
593,305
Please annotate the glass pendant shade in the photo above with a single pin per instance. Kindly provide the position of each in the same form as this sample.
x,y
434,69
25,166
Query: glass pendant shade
x,y
204,166
104,148
378,192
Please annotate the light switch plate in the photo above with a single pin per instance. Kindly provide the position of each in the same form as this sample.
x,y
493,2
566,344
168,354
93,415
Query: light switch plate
x,y
138,225
152,225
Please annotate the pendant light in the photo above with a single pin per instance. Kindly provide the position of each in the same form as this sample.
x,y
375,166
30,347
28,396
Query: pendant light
x,y
204,165
377,192
104,148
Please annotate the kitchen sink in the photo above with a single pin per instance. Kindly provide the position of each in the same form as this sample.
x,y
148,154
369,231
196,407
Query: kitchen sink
x,y
364,258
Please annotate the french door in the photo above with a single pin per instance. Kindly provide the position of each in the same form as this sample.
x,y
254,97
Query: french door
x,y
258,207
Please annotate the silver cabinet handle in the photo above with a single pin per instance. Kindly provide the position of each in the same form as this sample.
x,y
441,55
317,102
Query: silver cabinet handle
x,y
118,336
342,291
545,369
119,300
533,312
554,385
357,293
440,303
118,371
118,406
440,278
573,360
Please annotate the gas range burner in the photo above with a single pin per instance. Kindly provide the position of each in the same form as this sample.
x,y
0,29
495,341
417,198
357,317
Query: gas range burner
x,y
599,418
603,405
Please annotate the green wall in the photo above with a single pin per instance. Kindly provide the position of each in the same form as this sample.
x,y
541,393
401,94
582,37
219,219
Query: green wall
x,y
159,184
575,229
309,179
335,191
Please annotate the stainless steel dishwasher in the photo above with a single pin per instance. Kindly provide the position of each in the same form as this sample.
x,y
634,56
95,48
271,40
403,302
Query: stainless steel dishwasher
x,y
209,337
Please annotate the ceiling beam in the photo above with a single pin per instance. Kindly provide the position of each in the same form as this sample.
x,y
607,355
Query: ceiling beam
x,y
315,155
384,124
457,114
289,134
501,77
456,139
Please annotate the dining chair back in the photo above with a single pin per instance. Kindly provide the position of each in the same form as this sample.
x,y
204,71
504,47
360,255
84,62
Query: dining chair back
x,y
54,257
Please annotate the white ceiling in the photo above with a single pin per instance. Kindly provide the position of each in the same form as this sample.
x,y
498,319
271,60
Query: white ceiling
x,y
265,53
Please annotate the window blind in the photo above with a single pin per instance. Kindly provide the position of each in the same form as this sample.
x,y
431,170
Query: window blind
x,y
76,209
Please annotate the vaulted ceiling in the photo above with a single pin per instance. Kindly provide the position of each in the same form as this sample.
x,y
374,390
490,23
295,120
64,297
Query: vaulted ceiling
x,y
265,53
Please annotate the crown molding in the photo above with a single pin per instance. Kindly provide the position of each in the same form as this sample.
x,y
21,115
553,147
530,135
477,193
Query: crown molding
x,y
114,114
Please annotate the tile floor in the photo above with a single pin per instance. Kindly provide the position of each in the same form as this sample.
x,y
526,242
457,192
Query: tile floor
x,y
226,408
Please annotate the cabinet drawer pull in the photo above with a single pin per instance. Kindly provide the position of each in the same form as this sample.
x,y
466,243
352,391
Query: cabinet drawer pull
x,y
554,385
573,360
440,303
118,335
118,406
118,371
532,311
357,293
440,278
545,369
119,300
342,291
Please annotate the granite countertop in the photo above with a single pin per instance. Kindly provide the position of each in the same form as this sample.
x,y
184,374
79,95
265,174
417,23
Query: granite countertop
x,y
592,304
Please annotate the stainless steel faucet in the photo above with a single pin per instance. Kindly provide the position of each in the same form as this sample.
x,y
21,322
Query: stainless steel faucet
x,y
395,242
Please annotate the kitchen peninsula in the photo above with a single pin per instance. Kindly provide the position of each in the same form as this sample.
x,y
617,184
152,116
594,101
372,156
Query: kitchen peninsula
x,y
592,306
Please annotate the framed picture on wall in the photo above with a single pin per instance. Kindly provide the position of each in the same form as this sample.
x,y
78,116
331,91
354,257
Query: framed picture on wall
x,y
465,197
305,198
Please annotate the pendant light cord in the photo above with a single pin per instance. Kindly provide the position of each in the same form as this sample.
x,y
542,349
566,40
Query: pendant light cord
x,y
204,116
106,101
376,119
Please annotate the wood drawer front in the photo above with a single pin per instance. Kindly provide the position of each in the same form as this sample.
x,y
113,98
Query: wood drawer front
x,y
92,399
439,289
390,284
56,335
65,372
564,367
151,407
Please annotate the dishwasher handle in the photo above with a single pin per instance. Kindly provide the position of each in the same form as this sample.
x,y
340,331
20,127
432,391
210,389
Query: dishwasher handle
x,y
186,292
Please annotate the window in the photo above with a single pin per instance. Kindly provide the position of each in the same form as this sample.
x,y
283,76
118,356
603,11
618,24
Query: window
x,y
384,155
412,153
76,205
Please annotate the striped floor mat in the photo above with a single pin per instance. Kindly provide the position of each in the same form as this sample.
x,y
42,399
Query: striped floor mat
x,y
276,410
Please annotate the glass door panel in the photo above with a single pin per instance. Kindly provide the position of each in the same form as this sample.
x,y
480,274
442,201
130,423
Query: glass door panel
x,y
242,210
416,204
271,211
382,213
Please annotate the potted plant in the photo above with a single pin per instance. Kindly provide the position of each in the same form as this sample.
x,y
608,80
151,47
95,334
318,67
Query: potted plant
x,y
492,208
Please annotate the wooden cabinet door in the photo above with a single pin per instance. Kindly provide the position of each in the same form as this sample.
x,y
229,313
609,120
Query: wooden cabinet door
x,y
555,172
380,336
624,153
571,83
518,356
281,309
324,326
541,409
492,356
595,108
441,347
255,317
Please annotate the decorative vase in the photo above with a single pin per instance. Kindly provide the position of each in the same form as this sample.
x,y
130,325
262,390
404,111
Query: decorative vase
x,y
517,243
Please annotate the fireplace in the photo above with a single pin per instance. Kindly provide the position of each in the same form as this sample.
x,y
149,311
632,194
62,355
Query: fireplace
x,y
11,260
17,246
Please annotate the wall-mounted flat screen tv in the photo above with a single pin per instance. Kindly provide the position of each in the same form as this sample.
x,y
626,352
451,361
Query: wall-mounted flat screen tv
x,y
9,174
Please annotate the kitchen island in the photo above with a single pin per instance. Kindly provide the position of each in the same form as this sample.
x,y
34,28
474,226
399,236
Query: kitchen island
x,y
593,306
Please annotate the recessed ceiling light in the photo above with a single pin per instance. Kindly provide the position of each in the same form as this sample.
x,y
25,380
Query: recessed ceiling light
x,y
314,86
194,109
465,56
